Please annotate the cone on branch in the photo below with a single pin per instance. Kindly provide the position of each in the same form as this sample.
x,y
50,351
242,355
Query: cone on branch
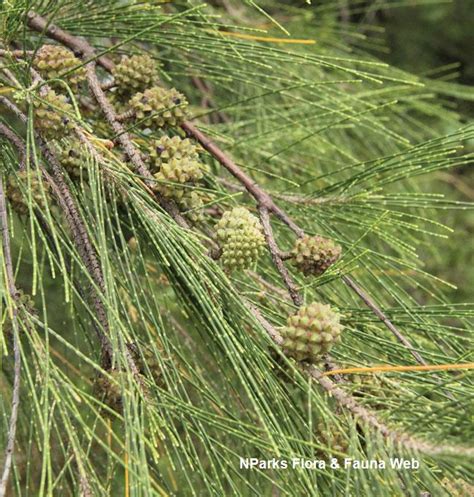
x,y
52,115
313,255
159,107
240,236
72,156
175,162
54,62
135,73
311,332
191,205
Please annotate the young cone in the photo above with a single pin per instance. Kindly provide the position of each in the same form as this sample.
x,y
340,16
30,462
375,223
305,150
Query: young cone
x,y
314,254
72,157
135,73
241,239
311,332
54,62
158,107
52,115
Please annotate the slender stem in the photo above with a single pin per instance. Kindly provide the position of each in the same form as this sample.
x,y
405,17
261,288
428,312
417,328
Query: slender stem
x,y
123,137
383,317
406,440
78,229
262,198
276,256
16,345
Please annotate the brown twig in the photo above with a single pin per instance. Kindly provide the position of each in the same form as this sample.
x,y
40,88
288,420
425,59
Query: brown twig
x,y
16,345
383,317
277,260
17,142
406,440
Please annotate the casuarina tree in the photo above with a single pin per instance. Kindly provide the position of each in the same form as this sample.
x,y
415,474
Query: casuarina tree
x,y
215,225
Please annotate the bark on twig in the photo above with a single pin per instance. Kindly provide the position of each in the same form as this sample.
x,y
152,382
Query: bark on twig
x,y
383,317
17,142
277,259
78,229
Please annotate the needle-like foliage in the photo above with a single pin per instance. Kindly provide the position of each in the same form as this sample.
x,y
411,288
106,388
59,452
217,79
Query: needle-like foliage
x,y
148,367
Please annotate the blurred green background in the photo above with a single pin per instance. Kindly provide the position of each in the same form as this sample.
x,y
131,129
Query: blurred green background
x,y
437,39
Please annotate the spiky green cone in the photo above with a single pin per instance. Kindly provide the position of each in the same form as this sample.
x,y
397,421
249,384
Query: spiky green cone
x,y
190,204
312,255
158,107
241,239
52,115
109,391
174,160
72,156
21,186
333,438
311,332
167,148
135,73
53,62
25,305
178,172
